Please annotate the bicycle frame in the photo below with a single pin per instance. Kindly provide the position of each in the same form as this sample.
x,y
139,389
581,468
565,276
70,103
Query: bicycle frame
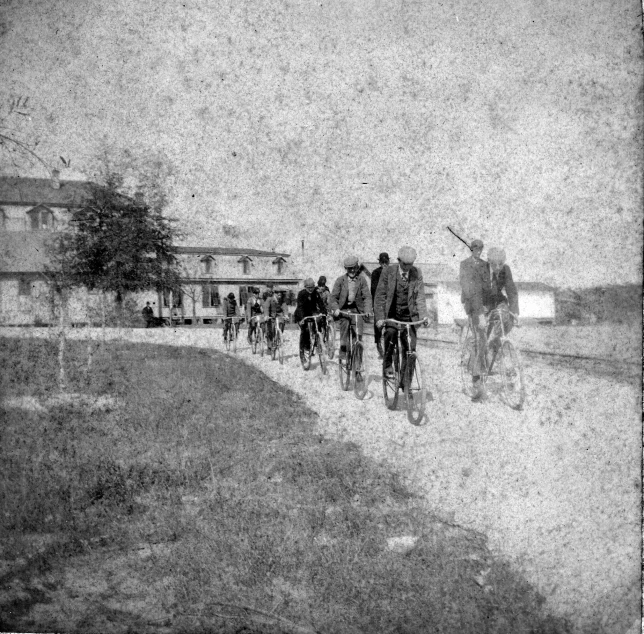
x,y
495,330
353,328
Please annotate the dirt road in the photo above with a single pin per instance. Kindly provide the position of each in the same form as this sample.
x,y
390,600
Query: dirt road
x,y
556,487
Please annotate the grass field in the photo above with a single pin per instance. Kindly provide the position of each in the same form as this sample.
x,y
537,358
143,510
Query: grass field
x,y
178,490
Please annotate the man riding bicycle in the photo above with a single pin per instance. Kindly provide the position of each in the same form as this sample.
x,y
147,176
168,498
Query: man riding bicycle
x,y
254,309
276,307
503,293
231,310
309,304
400,295
383,261
475,279
351,294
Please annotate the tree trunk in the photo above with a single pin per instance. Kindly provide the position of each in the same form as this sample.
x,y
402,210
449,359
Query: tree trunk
x,y
90,350
62,377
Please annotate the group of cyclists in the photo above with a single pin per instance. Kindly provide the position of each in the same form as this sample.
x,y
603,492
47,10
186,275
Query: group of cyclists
x,y
396,294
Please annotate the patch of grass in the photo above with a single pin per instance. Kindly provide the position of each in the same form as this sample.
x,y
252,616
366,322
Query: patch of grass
x,y
209,486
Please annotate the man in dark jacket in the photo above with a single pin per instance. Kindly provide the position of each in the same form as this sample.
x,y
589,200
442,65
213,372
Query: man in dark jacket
x,y
474,276
383,260
401,296
309,304
148,315
351,294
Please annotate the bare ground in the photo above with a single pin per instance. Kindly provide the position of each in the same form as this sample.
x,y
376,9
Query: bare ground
x,y
556,487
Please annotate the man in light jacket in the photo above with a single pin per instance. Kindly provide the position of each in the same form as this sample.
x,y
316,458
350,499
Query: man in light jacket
x,y
351,294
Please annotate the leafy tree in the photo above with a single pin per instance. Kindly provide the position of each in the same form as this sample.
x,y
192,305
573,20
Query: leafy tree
x,y
119,244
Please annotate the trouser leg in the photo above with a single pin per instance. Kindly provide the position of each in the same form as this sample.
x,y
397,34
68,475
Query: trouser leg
x,y
389,336
480,338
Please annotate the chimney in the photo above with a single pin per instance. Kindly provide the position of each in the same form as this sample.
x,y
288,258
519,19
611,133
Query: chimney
x,y
55,179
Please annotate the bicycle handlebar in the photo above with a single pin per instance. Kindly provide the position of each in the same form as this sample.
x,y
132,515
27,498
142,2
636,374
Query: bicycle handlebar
x,y
348,314
227,318
395,322
312,317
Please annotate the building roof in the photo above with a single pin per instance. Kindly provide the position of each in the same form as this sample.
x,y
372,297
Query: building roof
x,y
35,191
230,251
24,251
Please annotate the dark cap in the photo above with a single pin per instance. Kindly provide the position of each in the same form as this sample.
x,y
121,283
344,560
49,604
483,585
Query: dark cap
x,y
322,280
231,295
383,257
476,244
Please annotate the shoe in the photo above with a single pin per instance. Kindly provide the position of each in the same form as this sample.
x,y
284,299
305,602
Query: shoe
x,y
389,373
479,393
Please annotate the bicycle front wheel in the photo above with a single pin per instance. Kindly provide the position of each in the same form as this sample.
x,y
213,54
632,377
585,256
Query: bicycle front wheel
x,y
415,395
321,350
467,364
279,345
391,384
233,336
359,371
330,339
344,372
227,340
254,340
511,375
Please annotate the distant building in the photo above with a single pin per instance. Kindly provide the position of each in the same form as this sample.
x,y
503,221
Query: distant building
x,y
34,210
443,294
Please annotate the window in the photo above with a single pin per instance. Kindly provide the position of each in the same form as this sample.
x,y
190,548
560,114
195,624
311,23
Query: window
x,y
210,295
3,220
24,288
279,262
40,218
175,296
246,261
208,264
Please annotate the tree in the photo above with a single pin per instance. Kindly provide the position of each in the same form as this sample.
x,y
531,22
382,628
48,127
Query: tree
x,y
119,245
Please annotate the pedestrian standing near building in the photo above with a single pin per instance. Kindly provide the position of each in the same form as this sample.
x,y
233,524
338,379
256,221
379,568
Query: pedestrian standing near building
x,y
475,279
231,310
148,315
383,260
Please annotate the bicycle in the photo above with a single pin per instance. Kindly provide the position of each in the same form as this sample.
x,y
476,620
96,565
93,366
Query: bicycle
x,y
504,355
230,332
315,345
277,347
329,337
352,369
412,383
257,336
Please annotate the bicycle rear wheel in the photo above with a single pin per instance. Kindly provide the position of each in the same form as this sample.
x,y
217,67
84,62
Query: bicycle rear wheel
x,y
467,363
344,371
391,385
330,339
321,350
512,375
359,371
276,342
415,395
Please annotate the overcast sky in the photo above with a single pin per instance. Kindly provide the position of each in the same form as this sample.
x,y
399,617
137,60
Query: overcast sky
x,y
357,126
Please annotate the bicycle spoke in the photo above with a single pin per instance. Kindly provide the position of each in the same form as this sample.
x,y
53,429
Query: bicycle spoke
x,y
359,370
511,375
414,390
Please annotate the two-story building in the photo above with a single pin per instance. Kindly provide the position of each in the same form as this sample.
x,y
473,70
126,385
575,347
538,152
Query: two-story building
x,y
34,210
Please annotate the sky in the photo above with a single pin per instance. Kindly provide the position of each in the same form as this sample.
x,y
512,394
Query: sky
x,y
352,126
